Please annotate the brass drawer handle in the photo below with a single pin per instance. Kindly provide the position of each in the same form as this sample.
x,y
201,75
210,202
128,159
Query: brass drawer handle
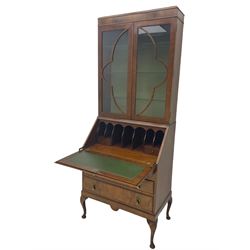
x,y
94,187
138,201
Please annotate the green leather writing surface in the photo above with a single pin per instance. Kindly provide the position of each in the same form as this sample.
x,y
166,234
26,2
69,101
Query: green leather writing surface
x,y
100,163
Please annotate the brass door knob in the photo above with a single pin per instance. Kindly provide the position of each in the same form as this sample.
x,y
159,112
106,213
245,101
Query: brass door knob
x,y
94,187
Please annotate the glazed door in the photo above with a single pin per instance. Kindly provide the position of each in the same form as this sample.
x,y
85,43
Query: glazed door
x,y
115,55
152,88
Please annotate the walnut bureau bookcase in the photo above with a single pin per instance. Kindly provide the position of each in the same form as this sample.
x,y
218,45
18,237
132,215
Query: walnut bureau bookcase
x,y
127,158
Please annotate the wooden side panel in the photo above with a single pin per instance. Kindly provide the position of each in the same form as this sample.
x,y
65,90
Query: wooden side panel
x,y
164,169
176,70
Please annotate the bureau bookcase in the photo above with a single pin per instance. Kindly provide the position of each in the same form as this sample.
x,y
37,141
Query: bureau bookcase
x,y
126,160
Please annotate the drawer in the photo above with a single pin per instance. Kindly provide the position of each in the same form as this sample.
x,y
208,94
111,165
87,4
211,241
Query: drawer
x,y
118,194
147,186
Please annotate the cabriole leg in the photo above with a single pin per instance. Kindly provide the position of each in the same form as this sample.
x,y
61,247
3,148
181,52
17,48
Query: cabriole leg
x,y
152,225
82,200
168,208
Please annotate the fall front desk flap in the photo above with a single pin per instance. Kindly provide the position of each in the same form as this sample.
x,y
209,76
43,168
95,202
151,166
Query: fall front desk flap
x,y
126,171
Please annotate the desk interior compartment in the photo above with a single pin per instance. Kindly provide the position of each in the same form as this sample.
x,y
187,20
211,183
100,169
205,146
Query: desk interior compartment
x,y
122,151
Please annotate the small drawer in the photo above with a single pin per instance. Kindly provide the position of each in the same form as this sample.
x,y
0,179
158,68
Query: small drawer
x,y
118,194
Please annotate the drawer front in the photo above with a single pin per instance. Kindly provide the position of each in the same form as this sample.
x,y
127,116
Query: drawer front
x,y
118,194
147,186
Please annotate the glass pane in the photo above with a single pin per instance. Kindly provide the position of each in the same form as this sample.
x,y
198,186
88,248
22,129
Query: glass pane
x,y
151,82
115,71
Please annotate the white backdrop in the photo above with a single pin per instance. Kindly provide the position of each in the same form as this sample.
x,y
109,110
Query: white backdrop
x,y
48,103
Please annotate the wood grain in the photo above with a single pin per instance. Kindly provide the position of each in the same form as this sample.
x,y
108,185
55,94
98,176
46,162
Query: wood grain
x,y
118,194
124,153
154,14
